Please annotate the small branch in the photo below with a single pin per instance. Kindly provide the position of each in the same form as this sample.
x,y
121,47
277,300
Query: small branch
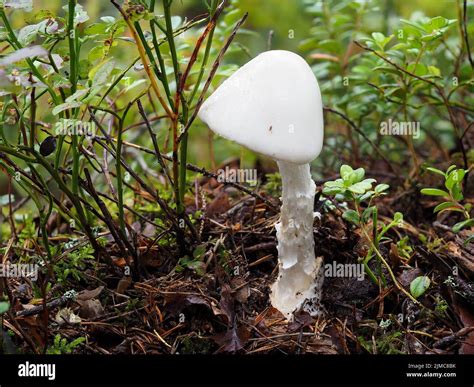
x,y
358,130
210,26
204,172
33,118
142,53
155,142
50,305
117,233
211,75
396,65
438,89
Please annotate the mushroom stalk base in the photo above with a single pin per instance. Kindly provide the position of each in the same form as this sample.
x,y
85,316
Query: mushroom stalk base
x,y
299,281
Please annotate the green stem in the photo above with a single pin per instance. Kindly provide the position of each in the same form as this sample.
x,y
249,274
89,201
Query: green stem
x,y
6,149
182,172
119,169
44,216
17,45
164,78
33,119
177,180
150,55
183,153
118,79
170,36
71,32
206,53
74,199
389,269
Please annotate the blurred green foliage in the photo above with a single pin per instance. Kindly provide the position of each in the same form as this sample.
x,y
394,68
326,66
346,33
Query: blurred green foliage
x,y
375,61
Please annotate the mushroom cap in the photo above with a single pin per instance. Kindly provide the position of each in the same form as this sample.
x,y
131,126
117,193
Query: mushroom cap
x,y
271,105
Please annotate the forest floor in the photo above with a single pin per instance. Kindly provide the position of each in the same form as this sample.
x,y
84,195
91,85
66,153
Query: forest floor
x,y
216,299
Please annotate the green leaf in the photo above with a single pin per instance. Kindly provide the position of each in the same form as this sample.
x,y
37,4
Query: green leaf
x,y
387,69
433,70
366,196
21,54
367,213
345,172
398,218
332,190
456,191
468,240
199,251
434,192
450,181
308,44
419,286
465,223
108,19
361,187
351,216
358,188
417,69
334,187
28,34
435,170
96,53
84,68
381,40
4,306
415,25
378,36
336,183
232,16
437,23
65,106
451,167
77,342
330,45
446,206
381,187
101,74
454,177
358,175
80,16
95,29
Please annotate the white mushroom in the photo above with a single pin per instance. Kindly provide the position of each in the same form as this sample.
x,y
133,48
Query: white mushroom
x,y
272,105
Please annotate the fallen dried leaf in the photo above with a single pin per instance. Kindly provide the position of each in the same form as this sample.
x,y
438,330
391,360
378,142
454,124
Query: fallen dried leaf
x,y
233,340
67,316
176,302
123,285
227,304
89,294
90,309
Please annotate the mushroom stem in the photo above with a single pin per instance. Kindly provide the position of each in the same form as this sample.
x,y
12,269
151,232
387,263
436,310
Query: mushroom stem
x,y
299,279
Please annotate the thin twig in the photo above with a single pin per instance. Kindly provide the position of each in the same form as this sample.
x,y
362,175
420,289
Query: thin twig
x,y
155,142
211,75
358,130
207,173
438,89
466,37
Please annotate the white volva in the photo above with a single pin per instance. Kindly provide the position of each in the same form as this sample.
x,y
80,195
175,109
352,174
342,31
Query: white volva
x,y
272,105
